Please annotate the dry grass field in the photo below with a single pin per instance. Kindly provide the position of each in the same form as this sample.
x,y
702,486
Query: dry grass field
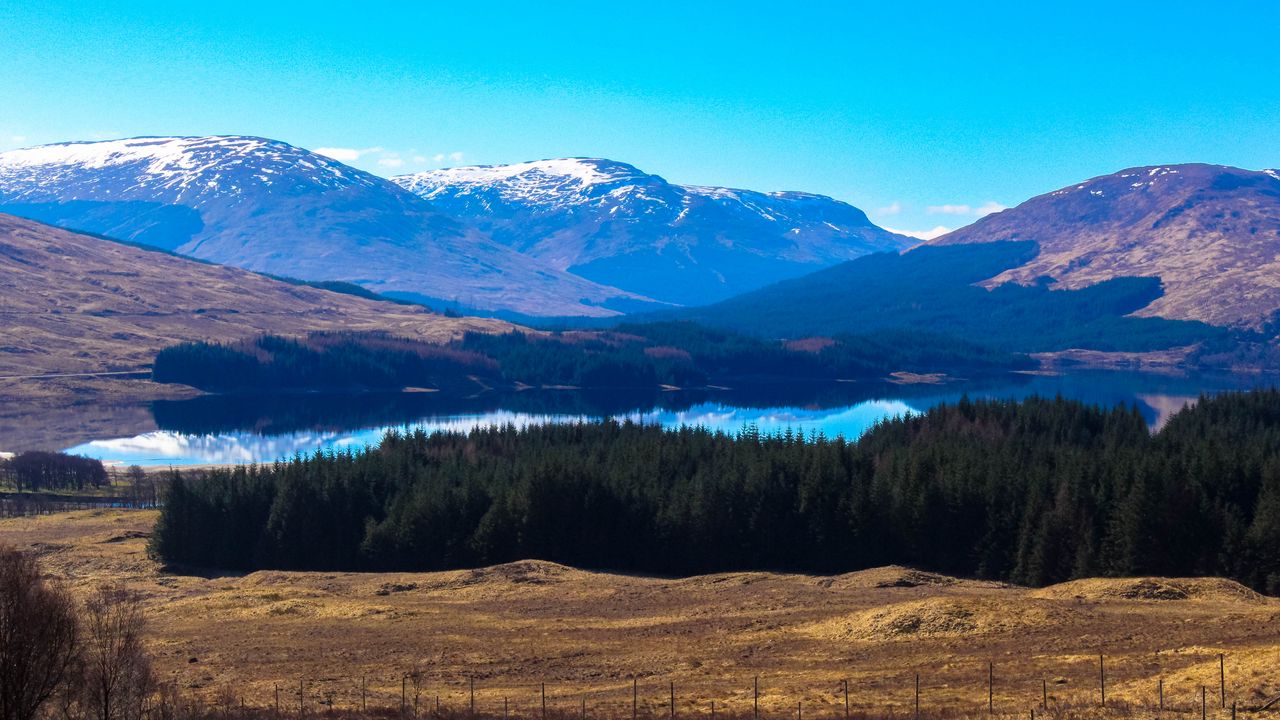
x,y
587,635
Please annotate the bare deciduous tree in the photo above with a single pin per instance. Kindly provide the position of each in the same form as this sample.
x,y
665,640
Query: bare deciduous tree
x,y
117,672
38,637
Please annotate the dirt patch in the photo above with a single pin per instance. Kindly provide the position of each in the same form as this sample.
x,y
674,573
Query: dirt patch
x,y
929,618
524,572
1154,589
388,588
129,535
896,576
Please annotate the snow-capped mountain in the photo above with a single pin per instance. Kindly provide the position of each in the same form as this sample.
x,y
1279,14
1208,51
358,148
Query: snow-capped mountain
x,y
1211,233
613,224
268,206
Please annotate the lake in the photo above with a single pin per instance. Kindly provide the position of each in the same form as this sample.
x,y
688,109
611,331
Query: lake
x,y
257,429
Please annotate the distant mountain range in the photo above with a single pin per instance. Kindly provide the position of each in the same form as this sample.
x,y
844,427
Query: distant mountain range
x,y
568,237
1144,259
268,206
613,224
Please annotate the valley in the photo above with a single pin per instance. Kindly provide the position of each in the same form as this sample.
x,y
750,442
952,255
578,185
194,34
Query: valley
x,y
651,361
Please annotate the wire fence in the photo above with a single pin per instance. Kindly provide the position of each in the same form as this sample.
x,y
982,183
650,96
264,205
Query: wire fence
x,y
412,696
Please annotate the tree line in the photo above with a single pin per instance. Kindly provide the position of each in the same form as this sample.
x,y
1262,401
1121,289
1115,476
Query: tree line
x,y
1035,492
630,356
38,470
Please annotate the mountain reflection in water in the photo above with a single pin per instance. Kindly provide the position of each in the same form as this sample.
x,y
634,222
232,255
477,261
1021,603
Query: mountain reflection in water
x,y
249,429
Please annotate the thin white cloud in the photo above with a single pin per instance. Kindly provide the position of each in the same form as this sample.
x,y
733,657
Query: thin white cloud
x,y
922,234
986,208
18,138
342,154
990,206
455,156
892,208
438,157
391,161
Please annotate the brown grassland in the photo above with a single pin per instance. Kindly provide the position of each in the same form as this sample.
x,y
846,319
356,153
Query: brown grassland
x,y
588,634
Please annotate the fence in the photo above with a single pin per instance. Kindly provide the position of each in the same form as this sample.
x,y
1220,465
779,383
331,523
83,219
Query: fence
x,y
409,696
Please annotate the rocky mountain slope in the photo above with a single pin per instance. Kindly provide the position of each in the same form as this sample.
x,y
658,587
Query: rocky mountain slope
x,y
616,225
268,206
1210,233
72,303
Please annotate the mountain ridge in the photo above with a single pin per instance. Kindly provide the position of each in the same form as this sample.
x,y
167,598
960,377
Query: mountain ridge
x,y
617,225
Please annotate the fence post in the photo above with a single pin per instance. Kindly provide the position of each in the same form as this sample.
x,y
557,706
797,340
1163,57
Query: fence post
x,y
403,699
364,694
544,701
755,699
1222,678
713,710
673,699
1161,688
473,696
917,696
1102,679
991,688
1044,693
1204,707
799,711
846,699
635,697
582,712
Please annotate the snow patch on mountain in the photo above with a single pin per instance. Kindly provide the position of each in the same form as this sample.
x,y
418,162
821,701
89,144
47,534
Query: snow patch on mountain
x,y
268,206
617,225
142,168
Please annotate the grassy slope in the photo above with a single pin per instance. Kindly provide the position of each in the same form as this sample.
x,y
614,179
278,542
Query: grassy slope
x,y
587,634
79,304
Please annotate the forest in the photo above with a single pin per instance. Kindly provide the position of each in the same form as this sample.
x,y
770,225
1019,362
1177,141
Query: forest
x,y
938,289
629,356
1032,492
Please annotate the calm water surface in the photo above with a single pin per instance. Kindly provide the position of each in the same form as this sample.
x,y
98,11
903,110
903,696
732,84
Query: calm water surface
x,y
229,429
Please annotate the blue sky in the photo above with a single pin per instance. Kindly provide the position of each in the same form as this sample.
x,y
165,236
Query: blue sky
x,y
921,114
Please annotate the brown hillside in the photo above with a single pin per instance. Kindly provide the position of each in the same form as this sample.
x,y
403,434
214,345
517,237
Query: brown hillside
x,y
1211,233
72,303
